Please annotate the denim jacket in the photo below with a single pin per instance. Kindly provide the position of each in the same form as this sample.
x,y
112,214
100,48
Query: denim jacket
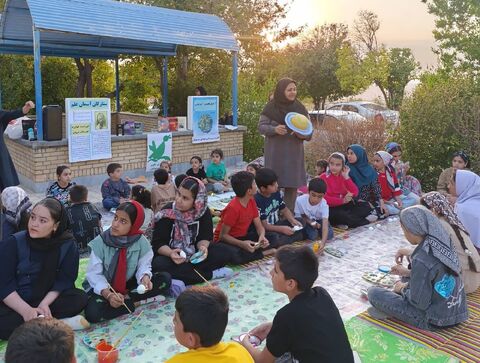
x,y
433,289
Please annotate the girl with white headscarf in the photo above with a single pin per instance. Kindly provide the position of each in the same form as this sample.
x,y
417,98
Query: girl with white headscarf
x,y
466,251
392,194
16,208
465,185
434,296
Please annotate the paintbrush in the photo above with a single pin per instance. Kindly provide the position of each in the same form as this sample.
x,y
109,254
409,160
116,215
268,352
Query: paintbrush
x,y
117,342
203,278
118,296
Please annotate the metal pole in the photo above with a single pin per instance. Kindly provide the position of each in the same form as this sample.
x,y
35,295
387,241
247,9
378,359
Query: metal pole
x,y
235,89
165,86
117,85
38,82
0,95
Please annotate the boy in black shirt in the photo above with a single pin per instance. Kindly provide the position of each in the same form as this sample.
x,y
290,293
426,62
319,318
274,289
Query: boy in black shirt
x,y
309,329
271,207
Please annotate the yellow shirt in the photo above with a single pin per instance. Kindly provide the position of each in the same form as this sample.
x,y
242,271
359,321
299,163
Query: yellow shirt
x,y
221,353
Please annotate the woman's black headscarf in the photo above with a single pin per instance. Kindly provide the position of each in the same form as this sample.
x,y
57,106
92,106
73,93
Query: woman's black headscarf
x,y
52,246
279,106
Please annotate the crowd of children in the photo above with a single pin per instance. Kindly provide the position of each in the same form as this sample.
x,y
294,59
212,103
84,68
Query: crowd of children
x,y
163,239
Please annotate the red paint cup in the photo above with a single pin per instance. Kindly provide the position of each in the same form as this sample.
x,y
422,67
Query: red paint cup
x,y
106,353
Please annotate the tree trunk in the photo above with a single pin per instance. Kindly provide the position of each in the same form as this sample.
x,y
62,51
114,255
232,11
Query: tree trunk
x,y
384,93
81,80
88,77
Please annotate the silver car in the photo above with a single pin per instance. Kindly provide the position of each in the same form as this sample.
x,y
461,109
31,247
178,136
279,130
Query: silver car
x,y
369,110
322,117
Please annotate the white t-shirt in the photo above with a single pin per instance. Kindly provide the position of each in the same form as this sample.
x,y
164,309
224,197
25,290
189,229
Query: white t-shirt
x,y
313,212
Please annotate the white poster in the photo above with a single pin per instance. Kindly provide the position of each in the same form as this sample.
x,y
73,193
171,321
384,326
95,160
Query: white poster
x,y
159,148
88,129
202,113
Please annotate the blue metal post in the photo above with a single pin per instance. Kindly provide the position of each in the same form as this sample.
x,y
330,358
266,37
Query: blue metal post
x,y
117,85
0,95
38,82
235,89
165,86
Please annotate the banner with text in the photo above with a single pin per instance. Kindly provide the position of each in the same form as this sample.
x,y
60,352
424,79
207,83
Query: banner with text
x,y
159,148
88,129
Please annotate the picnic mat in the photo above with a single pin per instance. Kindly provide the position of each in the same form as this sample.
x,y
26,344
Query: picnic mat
x,y
377,345
461,341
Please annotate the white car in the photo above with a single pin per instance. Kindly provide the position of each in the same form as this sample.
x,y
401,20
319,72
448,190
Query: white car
x,y
321,117
369,110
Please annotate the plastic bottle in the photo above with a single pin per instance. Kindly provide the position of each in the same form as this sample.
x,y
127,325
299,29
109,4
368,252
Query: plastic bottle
x,y
31,134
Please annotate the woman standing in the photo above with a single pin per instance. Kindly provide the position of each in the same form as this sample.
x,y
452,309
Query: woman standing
x,y
38,269
283,149
8,174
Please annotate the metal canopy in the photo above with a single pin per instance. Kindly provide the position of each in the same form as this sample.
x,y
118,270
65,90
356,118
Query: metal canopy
x,y
106,29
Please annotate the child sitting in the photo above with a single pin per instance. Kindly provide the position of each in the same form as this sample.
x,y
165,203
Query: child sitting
x,y
199,323
387,178
271,206
167,165
313,209
365,178
41,340
115,190
186,226
197,170
460,161
15,214
408,183
309,329
216,172
341,191
120,260
434,295
143,196
321,167
253,168
59,189
240,228
163,192
83,217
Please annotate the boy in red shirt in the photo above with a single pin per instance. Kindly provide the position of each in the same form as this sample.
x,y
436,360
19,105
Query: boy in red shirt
x,y
240,227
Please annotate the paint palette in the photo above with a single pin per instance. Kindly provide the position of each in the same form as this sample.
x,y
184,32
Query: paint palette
x,y
334,252
296,228
91,340
380,278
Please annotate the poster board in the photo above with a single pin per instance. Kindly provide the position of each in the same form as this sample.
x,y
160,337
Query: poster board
x,y
159,148
88,129
202,118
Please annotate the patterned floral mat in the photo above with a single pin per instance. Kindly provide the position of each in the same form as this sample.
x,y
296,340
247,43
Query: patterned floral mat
x,y
252,301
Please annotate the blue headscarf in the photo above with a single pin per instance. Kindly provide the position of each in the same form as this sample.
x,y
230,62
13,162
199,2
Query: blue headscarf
x,y
361,172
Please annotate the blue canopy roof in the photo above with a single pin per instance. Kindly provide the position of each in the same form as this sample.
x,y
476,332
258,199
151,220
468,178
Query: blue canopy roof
x,y
106,28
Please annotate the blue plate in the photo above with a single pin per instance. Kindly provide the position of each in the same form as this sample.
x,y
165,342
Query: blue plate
x,y
197,257
291,126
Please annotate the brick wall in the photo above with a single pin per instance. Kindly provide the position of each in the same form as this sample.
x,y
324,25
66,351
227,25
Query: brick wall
x,y
36,161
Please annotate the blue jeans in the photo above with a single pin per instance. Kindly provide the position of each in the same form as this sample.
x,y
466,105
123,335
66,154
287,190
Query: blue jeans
x,y
109,203
396,306
407,201
312,233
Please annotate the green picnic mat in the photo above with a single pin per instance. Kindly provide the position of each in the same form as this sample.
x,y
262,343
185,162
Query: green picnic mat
x,y
376,345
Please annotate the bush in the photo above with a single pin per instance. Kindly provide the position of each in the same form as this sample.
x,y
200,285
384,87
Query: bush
x,y
337,135
442,116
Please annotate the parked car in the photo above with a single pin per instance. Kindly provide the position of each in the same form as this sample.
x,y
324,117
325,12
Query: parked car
x,y
369,110
321,117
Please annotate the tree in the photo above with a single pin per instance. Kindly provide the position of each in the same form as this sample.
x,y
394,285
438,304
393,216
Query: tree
x,y
366,62
457,31
314,63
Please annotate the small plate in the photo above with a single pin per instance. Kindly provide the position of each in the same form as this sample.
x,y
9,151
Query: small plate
x,y
334,252
297,228
197,257
91,340
298,123
380,278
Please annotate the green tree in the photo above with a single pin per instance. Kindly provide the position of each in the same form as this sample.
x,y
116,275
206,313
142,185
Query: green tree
x,y
314,63
457,32
442,116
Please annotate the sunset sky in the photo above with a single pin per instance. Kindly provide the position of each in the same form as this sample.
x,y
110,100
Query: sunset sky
x,y
404,23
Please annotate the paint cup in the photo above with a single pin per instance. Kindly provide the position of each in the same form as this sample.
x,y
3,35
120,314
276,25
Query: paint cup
x,y
106,353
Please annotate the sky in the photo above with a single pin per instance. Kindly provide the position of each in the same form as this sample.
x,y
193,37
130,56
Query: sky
x,y
403,23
